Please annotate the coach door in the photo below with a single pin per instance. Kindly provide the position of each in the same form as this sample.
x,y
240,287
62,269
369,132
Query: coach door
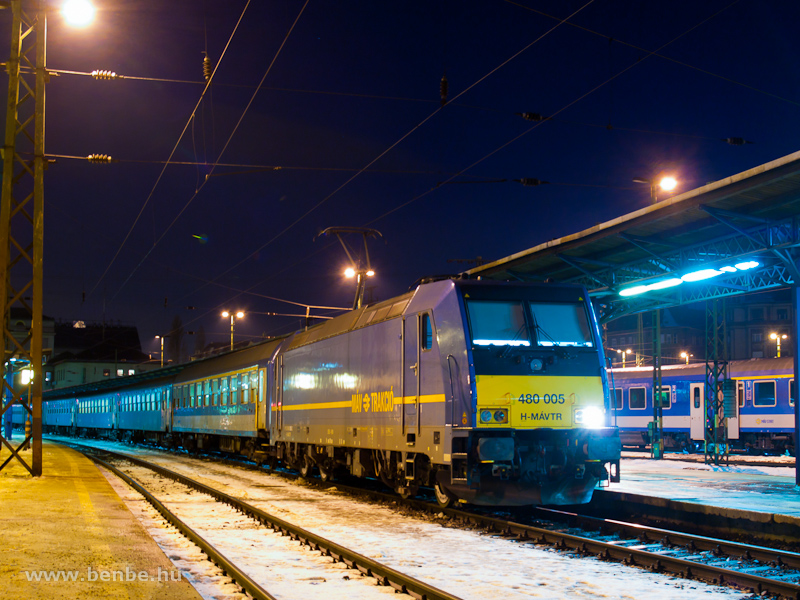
x,y
420,367
262,416
410,375
696,412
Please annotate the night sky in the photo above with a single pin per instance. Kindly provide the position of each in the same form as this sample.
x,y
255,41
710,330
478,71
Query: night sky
x,y
347,129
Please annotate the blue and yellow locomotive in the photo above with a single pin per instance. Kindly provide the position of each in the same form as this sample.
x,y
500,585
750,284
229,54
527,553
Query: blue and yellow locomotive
x,y
489,392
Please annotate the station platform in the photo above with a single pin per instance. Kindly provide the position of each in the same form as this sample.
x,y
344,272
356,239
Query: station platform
x,y
756,497
67,534
758,485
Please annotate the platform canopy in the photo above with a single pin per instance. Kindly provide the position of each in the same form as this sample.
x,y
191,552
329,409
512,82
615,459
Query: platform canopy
x,y
733,236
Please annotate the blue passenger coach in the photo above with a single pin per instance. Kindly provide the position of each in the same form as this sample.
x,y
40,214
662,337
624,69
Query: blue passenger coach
x,y
763,419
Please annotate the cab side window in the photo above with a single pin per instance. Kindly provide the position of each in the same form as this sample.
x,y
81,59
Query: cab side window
x,y
426,332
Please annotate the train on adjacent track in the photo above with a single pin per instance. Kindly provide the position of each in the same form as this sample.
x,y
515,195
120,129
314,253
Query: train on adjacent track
x,y
489,392
762,420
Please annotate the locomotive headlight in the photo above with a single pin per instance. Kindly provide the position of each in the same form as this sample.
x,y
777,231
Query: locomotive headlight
x,y
590,417
486,416
501,416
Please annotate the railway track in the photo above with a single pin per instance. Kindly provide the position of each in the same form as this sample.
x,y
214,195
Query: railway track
x,y
752,568
384,575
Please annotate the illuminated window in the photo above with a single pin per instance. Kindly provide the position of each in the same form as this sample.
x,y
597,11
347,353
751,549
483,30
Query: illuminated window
x,y
666,398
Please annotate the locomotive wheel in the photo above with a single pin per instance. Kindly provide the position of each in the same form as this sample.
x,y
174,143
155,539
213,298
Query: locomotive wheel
x,y
407,492
325,473
443,497
305,467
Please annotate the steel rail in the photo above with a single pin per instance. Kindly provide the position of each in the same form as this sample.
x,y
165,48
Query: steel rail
x,y
384,574
656,562
689,541
608,551
228,568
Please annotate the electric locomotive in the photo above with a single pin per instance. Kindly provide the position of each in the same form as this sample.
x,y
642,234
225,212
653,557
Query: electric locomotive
x,y
489,392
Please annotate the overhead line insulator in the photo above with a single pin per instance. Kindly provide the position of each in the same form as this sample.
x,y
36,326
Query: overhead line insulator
x,y
207,67
101,74
736,141
530,181
532,116
100,158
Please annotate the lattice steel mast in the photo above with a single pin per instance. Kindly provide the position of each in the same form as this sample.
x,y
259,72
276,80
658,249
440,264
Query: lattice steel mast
x,y
21,219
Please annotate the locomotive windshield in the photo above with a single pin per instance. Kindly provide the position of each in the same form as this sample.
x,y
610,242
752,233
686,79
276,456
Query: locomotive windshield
x,y
498,323
505,323
561,324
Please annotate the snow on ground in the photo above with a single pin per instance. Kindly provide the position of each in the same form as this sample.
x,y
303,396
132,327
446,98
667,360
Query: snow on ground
x,y
742,487
469,564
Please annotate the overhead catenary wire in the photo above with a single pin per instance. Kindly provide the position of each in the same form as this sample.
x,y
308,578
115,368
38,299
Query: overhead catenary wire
x,y
172,153
559,111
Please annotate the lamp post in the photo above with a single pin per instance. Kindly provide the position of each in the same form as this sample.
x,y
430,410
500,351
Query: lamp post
x,y
360,282
686,355
666,183
778,337
624,352
237,315
22,208
161,337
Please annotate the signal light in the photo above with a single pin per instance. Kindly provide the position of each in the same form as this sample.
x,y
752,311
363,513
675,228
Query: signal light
x,y
101,74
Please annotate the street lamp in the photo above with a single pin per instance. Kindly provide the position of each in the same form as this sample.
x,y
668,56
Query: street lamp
x,y
78,12
778,337
666,183
624,352
161,337
686,355
237,315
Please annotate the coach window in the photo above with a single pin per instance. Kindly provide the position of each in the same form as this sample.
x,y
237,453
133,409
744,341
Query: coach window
x,y
792,392
235,388
223,390
636,398
426,332
764,393
208,392
666,398
215,392
618,398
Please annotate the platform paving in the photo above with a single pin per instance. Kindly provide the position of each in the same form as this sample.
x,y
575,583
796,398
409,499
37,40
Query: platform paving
x,y
70,526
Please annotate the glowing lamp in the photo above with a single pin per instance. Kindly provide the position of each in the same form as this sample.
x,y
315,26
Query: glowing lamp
x,y
78,12
668,184
349,272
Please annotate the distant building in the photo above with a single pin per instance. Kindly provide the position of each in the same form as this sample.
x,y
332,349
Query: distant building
x,y
750,321
85,353
682,331
753,318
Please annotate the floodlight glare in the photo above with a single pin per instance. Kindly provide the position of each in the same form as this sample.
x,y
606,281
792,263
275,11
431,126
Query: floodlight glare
x,y
78,12
666,283
744,266
668,183
639,289
700,275
349,272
